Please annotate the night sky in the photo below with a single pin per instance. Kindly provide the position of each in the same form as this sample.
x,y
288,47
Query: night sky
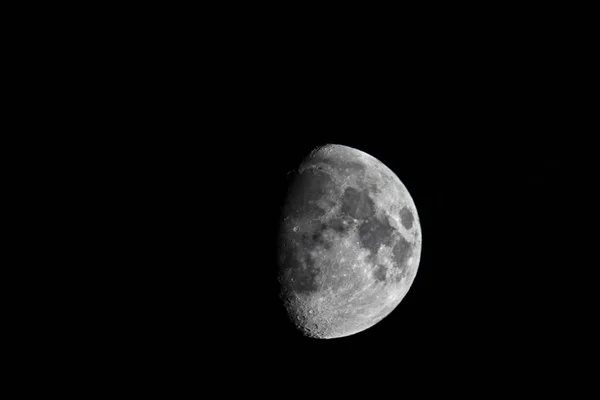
x,y
488,171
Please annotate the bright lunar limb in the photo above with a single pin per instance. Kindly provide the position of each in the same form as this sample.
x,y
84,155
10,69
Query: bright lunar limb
x,y
349,242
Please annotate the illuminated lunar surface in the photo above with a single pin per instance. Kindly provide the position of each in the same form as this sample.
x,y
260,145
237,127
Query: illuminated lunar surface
x,y
349,243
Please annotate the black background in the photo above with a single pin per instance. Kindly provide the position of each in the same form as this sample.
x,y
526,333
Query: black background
x,y
491,200
156,145
479,133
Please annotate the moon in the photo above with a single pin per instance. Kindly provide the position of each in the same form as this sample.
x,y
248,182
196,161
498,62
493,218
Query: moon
x,y
349,242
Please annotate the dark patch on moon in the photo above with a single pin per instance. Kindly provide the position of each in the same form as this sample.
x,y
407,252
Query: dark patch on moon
x,y
357,203
310,240
299,269
337,224
375,189
304,191
373,233
300,276
406,218
402,252
379,273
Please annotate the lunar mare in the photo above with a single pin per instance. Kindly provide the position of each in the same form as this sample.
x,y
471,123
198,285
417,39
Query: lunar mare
x,y
349,242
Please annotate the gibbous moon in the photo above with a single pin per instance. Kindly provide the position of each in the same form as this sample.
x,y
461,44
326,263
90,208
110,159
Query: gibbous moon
x,y
349,243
